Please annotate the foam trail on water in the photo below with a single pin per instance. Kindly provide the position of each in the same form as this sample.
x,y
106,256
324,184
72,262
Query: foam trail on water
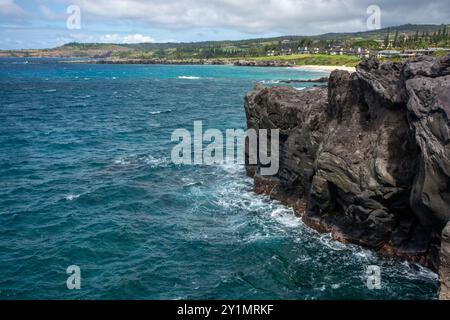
x,y
188,77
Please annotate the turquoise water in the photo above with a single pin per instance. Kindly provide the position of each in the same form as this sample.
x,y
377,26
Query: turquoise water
x,y
86,179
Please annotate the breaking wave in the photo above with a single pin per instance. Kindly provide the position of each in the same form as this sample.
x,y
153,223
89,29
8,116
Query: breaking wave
x,y
188,77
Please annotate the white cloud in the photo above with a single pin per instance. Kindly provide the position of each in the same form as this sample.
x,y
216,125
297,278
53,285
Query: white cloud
x,y
262,16
41,23
110,38
130,38
137,38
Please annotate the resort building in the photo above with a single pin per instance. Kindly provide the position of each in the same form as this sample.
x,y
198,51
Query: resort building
x,y
388,54
303,50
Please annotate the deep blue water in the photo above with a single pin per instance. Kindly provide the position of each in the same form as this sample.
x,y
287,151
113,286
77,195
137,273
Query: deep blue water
x,y
86,179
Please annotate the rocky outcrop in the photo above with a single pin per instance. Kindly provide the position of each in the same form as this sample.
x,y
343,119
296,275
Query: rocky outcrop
x,y
444,270
319,80
368,158
263,63
240,63
162,61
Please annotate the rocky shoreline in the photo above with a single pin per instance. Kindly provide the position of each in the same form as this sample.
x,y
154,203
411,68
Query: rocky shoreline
x,y
238,63
368,158
241,63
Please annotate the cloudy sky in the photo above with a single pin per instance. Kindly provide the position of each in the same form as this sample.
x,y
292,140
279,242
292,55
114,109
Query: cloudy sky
x,y
43,23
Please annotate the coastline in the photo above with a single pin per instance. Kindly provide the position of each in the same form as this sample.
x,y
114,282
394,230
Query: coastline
x,y
238,63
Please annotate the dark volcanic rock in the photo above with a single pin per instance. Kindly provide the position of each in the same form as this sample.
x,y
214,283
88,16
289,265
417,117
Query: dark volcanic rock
x,y
262,63
367,159
301,118
319,80
444,292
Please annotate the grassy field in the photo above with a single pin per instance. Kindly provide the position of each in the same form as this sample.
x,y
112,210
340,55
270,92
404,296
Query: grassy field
x,y
314,59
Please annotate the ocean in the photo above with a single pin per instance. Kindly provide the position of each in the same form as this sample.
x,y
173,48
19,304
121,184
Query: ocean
x,y
86,179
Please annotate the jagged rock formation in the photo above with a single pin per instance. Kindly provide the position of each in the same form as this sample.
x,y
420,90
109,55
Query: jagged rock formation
x,y
367,159
444,270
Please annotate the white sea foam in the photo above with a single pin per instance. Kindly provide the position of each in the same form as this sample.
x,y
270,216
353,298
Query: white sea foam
x,y
328,241
155,162
122,161
286,217
188,77
276,220
232,167
85,97
270,81
237,195
159,112
255,237
136,160
72,197
415,271
189,182
50,90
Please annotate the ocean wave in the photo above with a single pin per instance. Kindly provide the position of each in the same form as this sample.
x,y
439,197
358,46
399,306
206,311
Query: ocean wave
x,y
50,90
160,112
87,96
72,197
136,160
414,271
286,217
328,241
256,237
237,195
270,81
188,77
189,182
232,167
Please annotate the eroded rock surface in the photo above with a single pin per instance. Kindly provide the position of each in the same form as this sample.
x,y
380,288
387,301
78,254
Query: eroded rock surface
x,y
444,271
368,158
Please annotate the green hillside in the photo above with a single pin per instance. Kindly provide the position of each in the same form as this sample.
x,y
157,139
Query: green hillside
x,y
407,36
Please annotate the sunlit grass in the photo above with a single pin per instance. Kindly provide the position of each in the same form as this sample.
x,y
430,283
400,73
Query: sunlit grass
x,y
313,59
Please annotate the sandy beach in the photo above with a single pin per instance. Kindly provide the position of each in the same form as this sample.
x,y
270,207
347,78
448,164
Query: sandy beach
x,y
326,68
